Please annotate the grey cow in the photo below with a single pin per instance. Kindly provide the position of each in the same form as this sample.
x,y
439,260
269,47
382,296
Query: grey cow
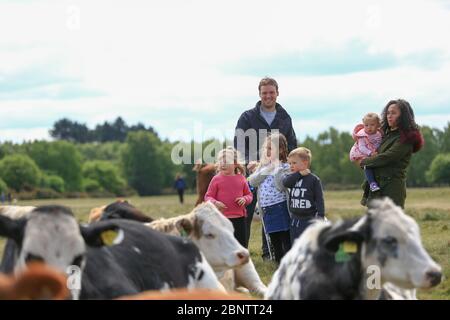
x,y
347,259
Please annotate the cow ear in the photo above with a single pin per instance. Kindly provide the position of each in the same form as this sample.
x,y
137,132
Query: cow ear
x,y
334,240
185,227
12,228
357,233
101,235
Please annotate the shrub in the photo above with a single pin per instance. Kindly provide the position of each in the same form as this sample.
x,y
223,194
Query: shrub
x,y
439,172
47,193
20,172
53,182
106,175
91,185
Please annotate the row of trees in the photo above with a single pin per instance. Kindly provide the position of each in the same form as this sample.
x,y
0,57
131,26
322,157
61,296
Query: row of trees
x,y
73,131
142,163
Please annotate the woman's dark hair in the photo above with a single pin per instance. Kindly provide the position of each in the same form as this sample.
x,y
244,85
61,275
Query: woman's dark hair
x,y
409,130
406,120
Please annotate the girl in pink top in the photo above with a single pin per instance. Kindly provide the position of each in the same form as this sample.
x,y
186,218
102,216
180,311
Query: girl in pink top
x,y
367,138
229,191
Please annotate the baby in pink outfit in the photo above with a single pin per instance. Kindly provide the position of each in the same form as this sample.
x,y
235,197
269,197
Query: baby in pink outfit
x,y
367,138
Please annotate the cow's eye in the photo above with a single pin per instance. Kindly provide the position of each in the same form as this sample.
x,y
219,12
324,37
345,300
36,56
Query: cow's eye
x,y
33,258
390,242
78,260
209,236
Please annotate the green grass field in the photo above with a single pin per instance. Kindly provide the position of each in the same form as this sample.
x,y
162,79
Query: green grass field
x,y
430,208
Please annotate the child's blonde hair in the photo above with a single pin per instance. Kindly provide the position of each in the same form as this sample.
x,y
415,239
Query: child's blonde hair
x,y
303,153
371,116
230,155
280,142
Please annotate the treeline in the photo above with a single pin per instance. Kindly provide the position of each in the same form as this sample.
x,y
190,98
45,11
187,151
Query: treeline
x,y
122,160
43,169
73,131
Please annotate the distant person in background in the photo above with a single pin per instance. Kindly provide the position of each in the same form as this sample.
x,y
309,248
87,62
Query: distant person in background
x,y
180,185
2,197
9,198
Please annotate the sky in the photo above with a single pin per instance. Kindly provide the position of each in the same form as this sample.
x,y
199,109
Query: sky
x,y
189,68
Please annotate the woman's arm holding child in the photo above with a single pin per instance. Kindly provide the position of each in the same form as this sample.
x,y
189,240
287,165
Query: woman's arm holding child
x,y
395,153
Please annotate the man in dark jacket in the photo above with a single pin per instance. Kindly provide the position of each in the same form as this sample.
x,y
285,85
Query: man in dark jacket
x,y
252,128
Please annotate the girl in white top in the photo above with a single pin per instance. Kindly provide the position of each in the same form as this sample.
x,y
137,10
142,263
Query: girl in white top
x,y
272,198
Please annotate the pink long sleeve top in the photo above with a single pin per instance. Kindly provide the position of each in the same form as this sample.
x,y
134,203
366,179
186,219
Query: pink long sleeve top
x,y
226,189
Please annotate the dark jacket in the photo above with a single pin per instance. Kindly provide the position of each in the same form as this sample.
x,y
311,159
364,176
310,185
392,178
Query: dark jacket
x,y
305,195
179,184
252,119
391,163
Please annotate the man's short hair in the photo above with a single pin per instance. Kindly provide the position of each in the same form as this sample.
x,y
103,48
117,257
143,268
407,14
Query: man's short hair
x,y
303,153
267,82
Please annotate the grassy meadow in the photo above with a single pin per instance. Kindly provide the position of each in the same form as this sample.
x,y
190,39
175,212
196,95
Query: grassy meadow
x,y
429,207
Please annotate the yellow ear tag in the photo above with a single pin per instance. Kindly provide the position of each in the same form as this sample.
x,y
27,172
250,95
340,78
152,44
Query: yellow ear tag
x,y
109,236
350,247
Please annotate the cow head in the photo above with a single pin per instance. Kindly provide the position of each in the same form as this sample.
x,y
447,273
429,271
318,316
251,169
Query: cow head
x,y
50,234
396,246
391,241
121,209
213,234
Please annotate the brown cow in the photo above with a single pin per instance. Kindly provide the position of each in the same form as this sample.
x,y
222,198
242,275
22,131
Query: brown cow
x,y
184,294
38,281
205,173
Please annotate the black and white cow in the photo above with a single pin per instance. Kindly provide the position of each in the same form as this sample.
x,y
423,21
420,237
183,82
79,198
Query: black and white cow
x,y
140,259
353,259
213,234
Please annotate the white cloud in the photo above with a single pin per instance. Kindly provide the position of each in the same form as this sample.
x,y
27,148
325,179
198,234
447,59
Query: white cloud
x,y
435,121
22,135
155,61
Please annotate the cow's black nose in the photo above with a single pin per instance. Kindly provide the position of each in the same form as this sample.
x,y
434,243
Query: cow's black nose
x,y
434,277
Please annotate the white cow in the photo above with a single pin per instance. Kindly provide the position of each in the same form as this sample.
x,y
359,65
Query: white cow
x,y
353,259
213,234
